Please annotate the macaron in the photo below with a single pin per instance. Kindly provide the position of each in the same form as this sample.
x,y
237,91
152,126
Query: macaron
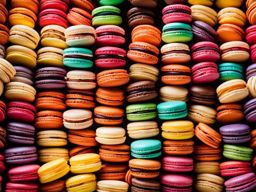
x,y
253,53
252,142
234,51
46,17
11,186
52,138
234,168
222,4
87,5
19,55
173,93
84,138
144,168
57,185
53,36
2,51
177,32
49,154
176,74
229,71
20,155
53,170
208,3
48,4
142,72
245,182
142,52
202,31
203,95
250,35
142,130
175,53
205,182
77,58
250,71
177,164
50,56
110,96
110,135
7,71
112,185
205,51
148,4
4,13
141,111
204,14
106,15
110,35
23,173
77,16
2,111
112,2
230,32
22,16
33,6
225,110
140,16
146,148
176,13
237,152
250,12
80,99
115,153
171,110
50,100
146,33
177,130
202,113
85,163
81,80
23,75
249,110
144,184
20,92
77,119
205,153
176,182
208,135
112,78
49,119
110,57
141,91
105,115
232,91
179,147
113,171
50,78
235,133
205,72
210,167
2,137
232,15
4,31
81,182
80,35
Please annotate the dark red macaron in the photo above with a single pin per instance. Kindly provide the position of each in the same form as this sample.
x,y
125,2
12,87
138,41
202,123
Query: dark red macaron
x,y
2,111
53,17
176,13
205,72
54,4
253,53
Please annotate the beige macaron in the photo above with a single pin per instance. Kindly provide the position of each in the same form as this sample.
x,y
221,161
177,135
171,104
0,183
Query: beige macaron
x,y
143,129
251,85
110,135
207,167
7,71
173,93
209,182
202,114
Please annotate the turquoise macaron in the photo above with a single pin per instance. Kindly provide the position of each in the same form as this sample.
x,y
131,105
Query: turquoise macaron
x,y
141,111
106,15
177,33
237,152
110,2
80,58
170,110
146,149
229,71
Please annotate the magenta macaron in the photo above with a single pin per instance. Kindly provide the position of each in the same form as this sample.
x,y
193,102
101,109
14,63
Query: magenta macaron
x,y
176,13
176,182
11,187
253,53
251,35
110,35
234,168
2,166
205,72
177,164
23,173
110,57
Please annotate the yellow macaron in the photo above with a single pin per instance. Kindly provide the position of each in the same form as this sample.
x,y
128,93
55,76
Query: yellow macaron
x,y
22,16
205,14
50,56
84,182
85,163
7,71
232,15
201,2
52,138
225,3
49,154
53,170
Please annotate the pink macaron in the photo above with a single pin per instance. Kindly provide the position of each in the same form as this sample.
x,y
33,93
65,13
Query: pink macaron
x,y
15,186
176,13
251,35
205,51
234,168
177,164
110,57
110,35
176,182
53,17
205,72
23,173
2,166
253,53
54,4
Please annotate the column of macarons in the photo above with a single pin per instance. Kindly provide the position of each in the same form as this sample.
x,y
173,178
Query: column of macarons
x,y
205,56
172,111
50,83
110,62
235,131
21,152
4,31
141,97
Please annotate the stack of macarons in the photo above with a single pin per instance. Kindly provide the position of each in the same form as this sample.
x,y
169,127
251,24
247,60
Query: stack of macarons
x,y
3,20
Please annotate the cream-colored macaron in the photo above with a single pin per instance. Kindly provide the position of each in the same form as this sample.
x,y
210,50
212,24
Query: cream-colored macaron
x,y
173,93
251,85
143,129
202,114
110,135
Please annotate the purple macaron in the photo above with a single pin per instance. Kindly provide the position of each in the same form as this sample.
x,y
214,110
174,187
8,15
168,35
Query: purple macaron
x,y
50,78
203,32
250,110
20,155
241,183
23,75
235,133
251,71
21,133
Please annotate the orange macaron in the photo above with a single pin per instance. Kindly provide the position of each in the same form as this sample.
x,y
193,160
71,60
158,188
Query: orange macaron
x,y
105,115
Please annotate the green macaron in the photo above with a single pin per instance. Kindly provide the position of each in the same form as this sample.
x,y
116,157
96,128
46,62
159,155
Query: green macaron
x,y
146,148
229,71
237,152
106,15
80,58
141,112
177,32
110,2
170,110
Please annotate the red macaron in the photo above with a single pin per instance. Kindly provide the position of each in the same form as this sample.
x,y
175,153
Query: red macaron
x,y
53,17
205,72
176,13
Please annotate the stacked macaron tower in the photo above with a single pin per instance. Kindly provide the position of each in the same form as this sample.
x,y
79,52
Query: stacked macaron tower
x,y
21,153
177,131
142,127
110,62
